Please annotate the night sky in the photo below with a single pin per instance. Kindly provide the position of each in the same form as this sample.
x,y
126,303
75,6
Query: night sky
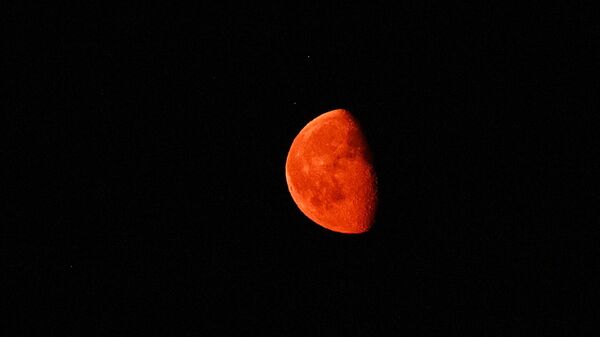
x,y
156,199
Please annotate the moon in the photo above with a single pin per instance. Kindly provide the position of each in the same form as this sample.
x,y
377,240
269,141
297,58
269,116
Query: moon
x,y
330,175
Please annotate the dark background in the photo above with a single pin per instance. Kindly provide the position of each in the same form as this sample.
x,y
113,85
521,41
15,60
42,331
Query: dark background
x,y
154,141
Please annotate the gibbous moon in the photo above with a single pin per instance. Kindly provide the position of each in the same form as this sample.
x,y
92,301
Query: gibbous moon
x,y
330,175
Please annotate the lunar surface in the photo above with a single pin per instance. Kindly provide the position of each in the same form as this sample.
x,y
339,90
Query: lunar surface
x,y
330,175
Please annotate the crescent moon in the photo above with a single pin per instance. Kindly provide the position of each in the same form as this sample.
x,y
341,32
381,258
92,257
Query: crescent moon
x,y
330,175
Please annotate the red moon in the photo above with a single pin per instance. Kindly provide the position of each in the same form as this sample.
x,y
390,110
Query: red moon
x,y
330,175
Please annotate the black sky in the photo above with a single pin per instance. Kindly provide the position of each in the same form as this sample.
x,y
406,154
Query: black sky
x,y
156,145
